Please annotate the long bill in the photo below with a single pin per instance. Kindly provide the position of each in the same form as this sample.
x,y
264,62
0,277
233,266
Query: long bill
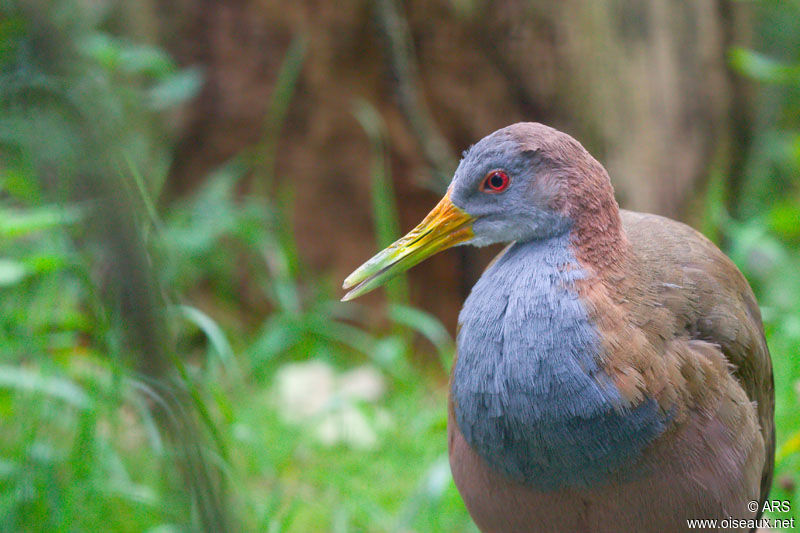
x,y
445,226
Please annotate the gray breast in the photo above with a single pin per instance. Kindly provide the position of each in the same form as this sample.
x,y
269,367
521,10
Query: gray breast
x,y
529,394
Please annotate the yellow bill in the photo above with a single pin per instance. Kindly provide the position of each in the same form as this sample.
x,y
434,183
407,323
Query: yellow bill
x,y
445,226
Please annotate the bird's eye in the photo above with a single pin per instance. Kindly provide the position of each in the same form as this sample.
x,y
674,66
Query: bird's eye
x,y
495,181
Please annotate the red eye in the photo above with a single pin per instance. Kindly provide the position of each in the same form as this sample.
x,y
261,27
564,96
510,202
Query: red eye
x,y
495,181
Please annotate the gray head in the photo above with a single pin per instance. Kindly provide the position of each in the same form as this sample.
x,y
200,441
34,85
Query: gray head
x,y
523,182
514,183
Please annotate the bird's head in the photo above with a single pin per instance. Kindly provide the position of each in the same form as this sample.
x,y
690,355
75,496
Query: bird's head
x,y
513,185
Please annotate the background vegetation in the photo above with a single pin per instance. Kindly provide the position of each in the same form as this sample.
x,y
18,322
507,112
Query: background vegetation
x,y
170,361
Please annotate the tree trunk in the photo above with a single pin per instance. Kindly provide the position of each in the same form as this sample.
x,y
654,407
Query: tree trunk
x,y
643,85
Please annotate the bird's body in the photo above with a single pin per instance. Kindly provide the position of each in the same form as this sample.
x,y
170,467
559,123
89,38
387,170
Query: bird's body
x,y
639,422
612,372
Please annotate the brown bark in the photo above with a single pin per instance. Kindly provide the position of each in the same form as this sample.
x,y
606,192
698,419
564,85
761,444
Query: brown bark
x,y
643,85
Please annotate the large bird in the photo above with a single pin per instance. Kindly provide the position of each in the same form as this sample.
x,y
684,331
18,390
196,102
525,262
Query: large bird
x,y
611,373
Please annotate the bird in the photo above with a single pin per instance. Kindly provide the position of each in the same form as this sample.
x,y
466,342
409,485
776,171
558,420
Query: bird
x,y
611,370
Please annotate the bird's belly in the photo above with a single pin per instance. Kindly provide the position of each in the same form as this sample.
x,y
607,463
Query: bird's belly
x,y
691,477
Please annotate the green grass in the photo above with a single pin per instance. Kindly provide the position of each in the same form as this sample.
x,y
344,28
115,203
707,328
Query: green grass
x,y
136,388
81,440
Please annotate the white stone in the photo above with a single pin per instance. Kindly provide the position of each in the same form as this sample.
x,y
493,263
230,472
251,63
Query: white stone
x,y
347,426
304,390
312,395
364,383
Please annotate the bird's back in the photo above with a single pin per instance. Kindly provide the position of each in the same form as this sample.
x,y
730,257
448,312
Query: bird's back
x,y
705,299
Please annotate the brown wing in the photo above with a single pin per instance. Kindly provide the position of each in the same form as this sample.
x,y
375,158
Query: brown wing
x,y
711,300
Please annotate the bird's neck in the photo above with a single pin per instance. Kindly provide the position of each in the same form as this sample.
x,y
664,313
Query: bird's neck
x,y
529,390
596,235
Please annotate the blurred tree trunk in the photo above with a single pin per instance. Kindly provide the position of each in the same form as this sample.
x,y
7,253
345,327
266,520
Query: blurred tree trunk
x,y
643,85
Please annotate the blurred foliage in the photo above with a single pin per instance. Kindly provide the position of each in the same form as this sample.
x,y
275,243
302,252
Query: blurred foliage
x,y
100,423
87,253
85,326
761,228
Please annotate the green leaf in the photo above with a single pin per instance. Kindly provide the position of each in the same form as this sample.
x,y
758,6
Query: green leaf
x,y
763,68
132,58
429,327
384,209
215,336
18,223
11,272
784,219
175,89
21,379
20,183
